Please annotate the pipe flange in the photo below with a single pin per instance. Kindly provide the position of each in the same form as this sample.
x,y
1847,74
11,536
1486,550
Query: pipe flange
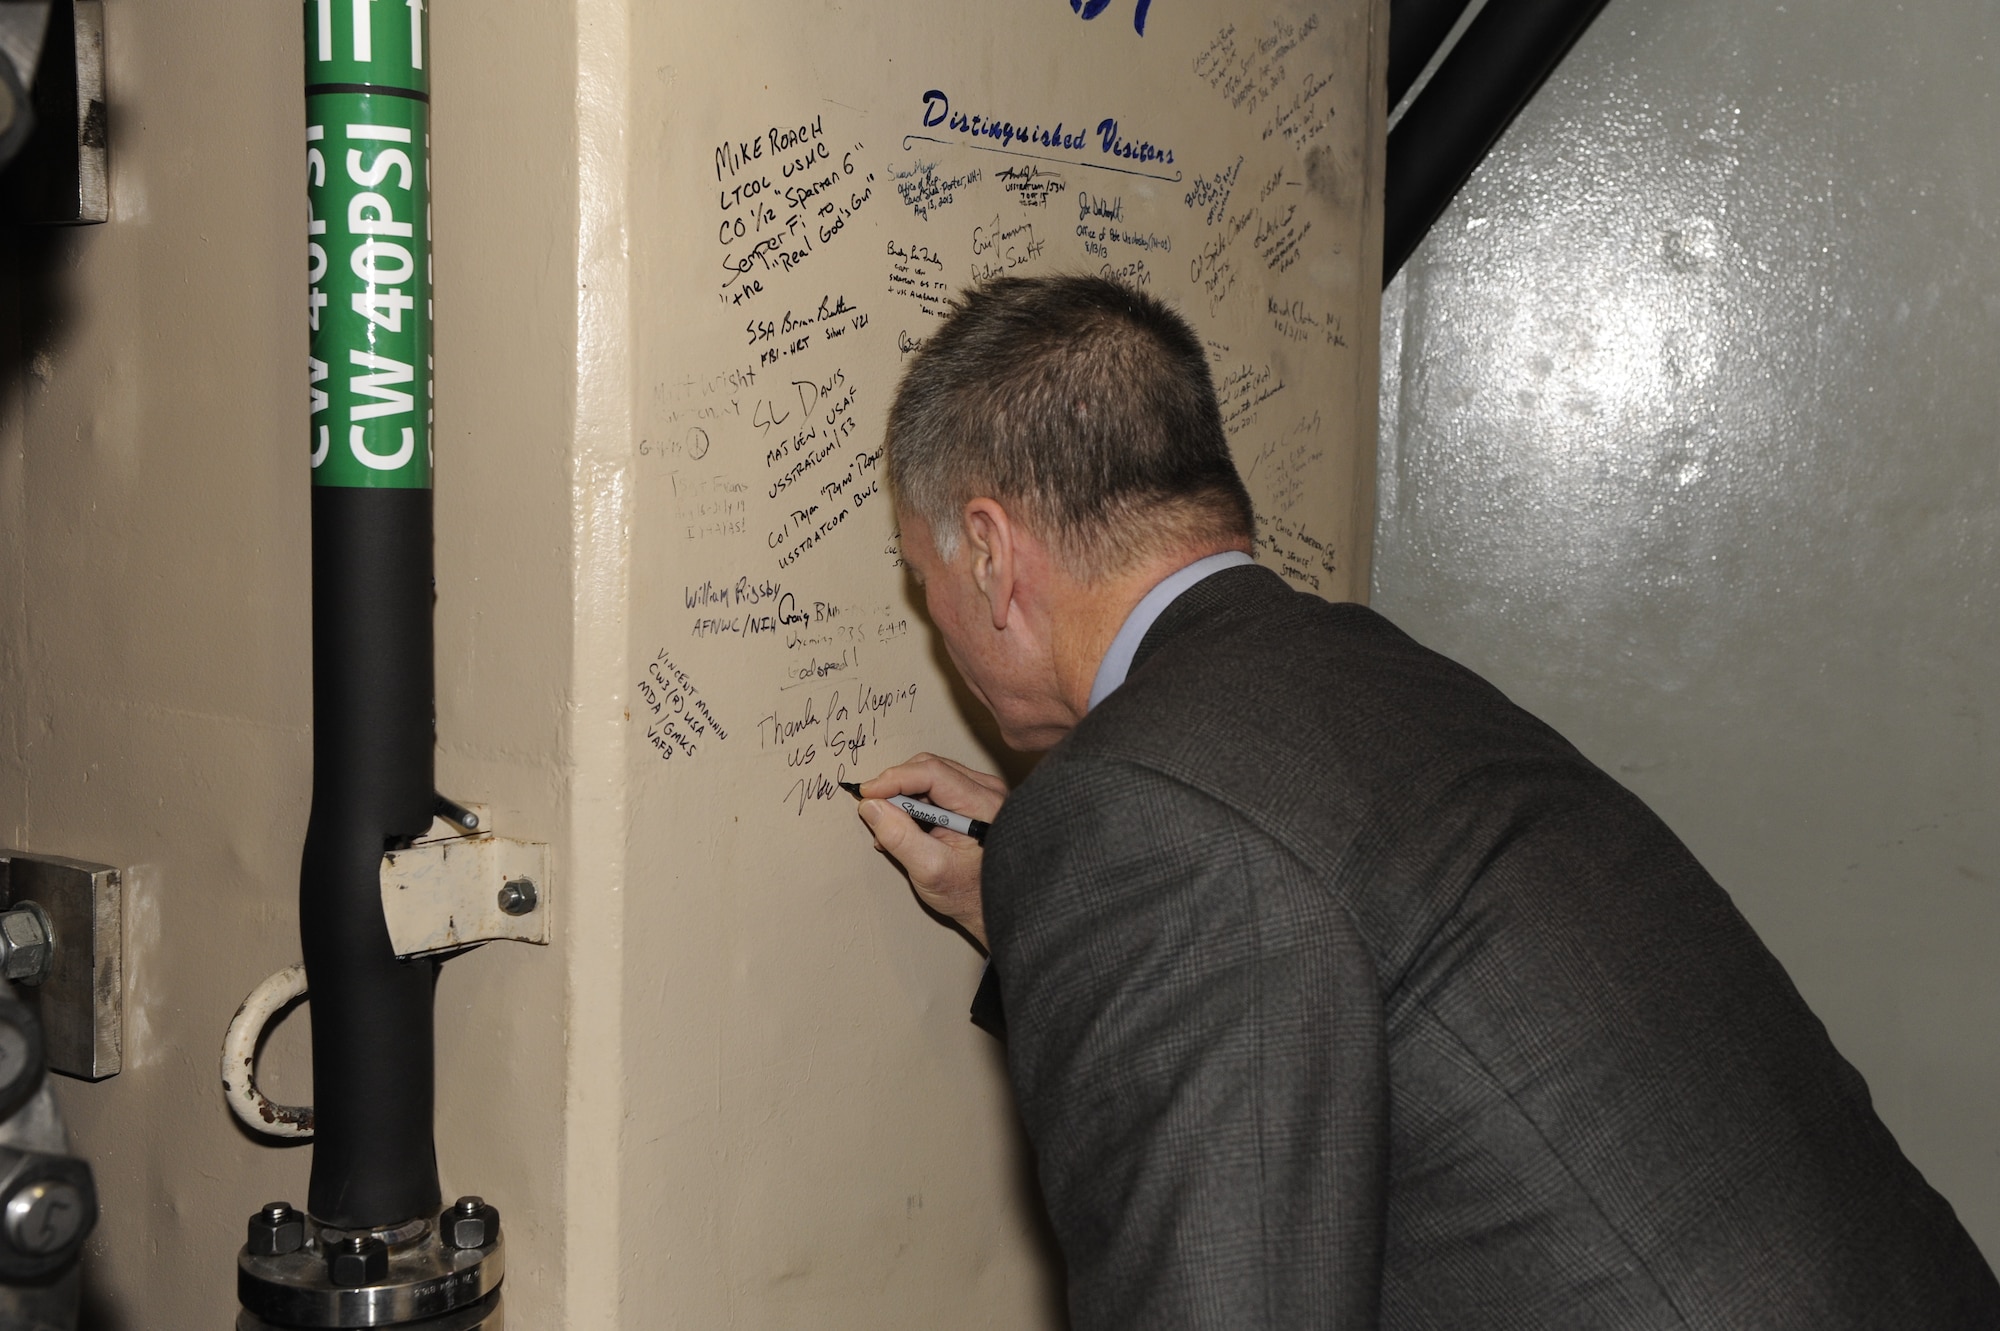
x,y
481,1316
425,1279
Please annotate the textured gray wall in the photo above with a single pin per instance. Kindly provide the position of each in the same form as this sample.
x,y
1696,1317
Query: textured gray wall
x,y
1691,443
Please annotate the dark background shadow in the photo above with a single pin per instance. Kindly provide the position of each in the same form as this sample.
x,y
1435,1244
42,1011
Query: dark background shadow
x,y
35,299
36,304
37,313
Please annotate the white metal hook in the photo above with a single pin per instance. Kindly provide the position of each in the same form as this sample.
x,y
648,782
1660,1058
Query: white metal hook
x,y
239,1059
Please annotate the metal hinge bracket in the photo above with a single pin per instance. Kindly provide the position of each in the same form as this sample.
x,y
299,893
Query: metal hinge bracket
x,y
450,890
81,1000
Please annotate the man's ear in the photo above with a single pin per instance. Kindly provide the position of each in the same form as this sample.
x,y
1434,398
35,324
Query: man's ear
x,y
994,542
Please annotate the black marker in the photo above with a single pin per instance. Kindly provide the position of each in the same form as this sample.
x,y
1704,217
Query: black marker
x,y
929,813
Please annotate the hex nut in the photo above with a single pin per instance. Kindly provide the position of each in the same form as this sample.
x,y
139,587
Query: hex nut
x,y
469,1223
276,1230
357,1260
518,896
26,950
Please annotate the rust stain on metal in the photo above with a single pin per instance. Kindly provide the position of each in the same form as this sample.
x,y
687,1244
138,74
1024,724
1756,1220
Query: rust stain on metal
x,y
299,1116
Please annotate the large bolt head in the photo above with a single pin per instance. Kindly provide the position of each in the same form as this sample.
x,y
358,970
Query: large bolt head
x,y
47,1207
25,948
359,1259
45,1216
276,1230
469,1223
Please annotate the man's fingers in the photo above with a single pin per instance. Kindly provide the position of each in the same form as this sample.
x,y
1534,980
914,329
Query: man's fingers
x,y
943,867
922,856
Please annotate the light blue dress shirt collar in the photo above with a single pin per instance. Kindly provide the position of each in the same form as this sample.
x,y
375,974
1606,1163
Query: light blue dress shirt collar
x,y
1117,662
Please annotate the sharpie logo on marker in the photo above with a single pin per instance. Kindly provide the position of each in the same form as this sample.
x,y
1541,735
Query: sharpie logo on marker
x,y
930,814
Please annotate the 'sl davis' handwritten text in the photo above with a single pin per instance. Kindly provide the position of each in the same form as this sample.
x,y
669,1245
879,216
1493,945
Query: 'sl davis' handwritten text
x,y
823,422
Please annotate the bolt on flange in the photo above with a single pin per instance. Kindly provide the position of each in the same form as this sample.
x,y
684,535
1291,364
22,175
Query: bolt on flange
x,y
278,1229
518,896
469,1223
357,1260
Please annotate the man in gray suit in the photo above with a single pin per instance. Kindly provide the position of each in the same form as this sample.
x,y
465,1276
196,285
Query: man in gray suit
x,y
1339,991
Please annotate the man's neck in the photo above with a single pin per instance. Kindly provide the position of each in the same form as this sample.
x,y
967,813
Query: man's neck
x,y
1089,614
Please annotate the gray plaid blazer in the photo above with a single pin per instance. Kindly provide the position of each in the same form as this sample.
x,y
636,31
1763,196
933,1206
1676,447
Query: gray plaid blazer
x,y
1341,992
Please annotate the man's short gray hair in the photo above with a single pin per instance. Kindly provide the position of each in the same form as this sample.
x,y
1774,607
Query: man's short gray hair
x,y
1083,403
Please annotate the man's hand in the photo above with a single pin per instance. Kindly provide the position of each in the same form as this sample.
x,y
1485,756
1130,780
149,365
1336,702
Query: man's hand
x,y
942,866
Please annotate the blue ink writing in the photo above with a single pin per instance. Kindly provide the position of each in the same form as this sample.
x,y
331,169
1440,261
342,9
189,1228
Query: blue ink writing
x,y
1089,9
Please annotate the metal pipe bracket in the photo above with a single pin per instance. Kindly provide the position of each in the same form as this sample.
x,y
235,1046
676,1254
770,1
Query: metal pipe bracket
x,y
451,890
80,993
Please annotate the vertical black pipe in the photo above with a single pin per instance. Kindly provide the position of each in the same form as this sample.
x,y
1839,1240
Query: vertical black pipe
x,y
369,307
374,1162
1504,55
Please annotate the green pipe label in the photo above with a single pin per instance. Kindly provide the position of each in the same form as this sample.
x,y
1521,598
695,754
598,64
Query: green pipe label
x,y
381,43
368,251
